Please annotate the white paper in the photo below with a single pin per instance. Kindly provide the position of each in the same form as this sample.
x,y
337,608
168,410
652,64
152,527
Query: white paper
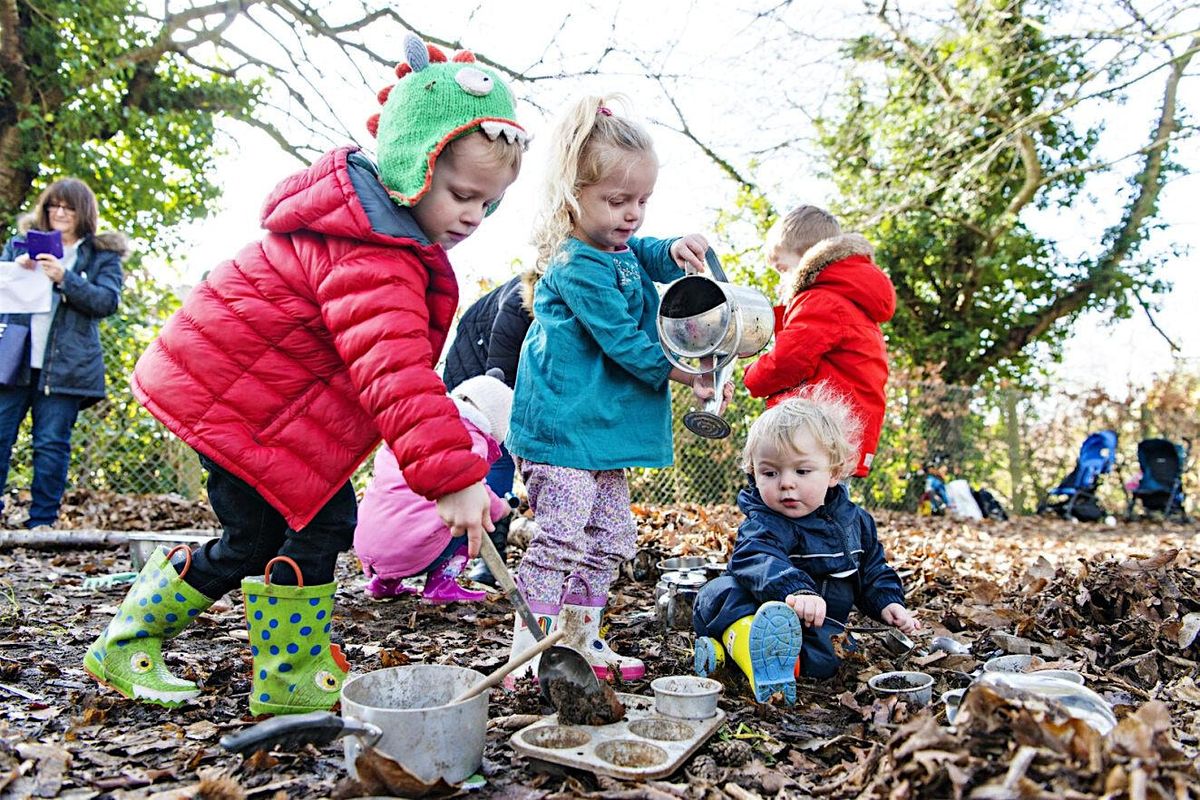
x,y
962,502
23,291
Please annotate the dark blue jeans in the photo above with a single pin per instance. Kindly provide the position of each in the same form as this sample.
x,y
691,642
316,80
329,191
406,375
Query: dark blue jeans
x,y
500,476
254,533
54,417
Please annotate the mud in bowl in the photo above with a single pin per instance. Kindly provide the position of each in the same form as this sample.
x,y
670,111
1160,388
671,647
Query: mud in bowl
x,y
911,687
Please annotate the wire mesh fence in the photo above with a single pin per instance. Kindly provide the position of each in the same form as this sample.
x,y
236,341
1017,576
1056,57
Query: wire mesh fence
x,y
1017,445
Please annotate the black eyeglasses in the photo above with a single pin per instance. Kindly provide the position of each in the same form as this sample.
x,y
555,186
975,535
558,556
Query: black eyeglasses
x,y
63,206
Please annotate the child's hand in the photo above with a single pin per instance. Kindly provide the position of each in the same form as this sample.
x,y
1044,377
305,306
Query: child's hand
x,y
689,251
702,389
25,261
726,396
810,608
897,616
467,511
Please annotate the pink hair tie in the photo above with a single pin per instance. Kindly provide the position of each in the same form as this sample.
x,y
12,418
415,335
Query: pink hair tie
x,y
604,111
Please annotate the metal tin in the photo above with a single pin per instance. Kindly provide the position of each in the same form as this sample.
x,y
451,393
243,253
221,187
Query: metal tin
x,y
686,696
424,732
675,596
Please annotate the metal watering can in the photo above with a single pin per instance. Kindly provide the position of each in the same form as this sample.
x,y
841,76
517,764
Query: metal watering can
x,y
704,325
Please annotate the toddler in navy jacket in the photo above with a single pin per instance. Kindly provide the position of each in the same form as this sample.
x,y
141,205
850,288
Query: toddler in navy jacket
x,y
804,556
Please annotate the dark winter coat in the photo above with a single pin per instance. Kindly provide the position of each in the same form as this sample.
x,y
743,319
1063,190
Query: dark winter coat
x,y
833,552
489,335
90,291
289,362
828,332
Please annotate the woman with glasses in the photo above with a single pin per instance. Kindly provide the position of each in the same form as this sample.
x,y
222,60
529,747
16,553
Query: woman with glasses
x,y
61,369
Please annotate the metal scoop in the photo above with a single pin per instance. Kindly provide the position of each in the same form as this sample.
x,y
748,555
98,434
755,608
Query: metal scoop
x,y
559,663
896,642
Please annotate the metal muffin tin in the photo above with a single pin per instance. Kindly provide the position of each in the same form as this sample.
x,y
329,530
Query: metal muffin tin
x,y
643,746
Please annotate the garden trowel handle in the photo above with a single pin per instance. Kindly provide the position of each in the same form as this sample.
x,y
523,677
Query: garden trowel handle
x,y
495,562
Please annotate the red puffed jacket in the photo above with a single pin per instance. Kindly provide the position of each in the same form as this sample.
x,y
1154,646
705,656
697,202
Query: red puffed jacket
x,y
289,363
828,331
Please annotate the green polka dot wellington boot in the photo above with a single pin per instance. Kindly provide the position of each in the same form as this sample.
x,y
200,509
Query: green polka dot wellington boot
x,y
296,669
128,654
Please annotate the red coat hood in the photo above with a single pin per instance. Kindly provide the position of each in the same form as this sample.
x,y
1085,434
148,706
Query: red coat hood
x,y
844,264
331,199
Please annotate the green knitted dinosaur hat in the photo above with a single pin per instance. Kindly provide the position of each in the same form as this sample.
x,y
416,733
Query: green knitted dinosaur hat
x,y
434,102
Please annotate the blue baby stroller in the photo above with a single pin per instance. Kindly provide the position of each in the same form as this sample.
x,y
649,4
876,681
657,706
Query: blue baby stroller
x,y
1075,496
1160,486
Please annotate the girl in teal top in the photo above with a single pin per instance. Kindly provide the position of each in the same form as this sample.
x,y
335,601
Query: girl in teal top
x,y
592,393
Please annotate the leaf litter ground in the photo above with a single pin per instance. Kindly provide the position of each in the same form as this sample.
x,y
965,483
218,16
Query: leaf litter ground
x,y
1121,605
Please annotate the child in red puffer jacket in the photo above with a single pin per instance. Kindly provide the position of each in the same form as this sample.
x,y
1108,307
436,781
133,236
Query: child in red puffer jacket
x,y
835,298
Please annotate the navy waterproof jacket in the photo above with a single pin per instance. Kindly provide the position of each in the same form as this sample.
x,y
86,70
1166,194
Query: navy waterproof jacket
x,y
775,556
90,291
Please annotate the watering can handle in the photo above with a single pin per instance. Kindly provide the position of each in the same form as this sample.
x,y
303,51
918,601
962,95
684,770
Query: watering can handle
x,y
714,265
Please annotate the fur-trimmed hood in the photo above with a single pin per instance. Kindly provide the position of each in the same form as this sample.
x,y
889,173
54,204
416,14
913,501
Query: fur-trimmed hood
x,y
845,264
529,280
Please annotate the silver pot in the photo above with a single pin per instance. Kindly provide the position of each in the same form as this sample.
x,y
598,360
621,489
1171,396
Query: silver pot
x,y
403,714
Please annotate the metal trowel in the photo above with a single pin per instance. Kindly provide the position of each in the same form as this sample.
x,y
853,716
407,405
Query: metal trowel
x,y
559,663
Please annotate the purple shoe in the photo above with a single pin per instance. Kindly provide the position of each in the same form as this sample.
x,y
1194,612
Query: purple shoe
x,y
441,584
386,588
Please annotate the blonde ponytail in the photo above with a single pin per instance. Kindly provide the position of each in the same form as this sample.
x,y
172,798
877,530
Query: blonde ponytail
x,y
587,143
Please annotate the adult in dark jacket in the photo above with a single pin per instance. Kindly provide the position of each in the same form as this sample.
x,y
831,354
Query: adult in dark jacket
x,y
489,337
62,370
804,555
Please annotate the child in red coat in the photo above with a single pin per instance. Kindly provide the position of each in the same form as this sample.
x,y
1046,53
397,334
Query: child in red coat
x,y
291,361
834,299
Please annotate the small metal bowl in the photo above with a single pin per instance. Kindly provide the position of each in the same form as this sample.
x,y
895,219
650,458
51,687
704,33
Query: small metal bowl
x,y
952,699
143,545
1066,674
683,564
686,696
1019,662
911,687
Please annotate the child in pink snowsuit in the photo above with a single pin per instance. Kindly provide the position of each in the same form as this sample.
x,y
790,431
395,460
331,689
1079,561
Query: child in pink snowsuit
x,y
399,533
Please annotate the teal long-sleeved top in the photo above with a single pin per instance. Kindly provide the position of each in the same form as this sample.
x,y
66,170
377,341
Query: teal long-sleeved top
x,y
591,387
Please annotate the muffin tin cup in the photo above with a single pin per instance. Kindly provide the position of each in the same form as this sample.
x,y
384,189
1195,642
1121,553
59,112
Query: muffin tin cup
x,y
643,746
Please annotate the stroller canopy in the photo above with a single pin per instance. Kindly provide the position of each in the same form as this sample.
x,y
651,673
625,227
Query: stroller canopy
x,y
1097,455
1161,461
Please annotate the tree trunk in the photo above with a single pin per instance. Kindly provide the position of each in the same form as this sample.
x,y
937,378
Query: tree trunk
x,y
1016,470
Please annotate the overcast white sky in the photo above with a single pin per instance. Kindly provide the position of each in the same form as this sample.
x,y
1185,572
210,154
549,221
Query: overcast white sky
x,y
689,189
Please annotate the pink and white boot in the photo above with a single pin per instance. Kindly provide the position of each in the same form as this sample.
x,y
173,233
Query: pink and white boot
x,y
523,639
581,620
441,584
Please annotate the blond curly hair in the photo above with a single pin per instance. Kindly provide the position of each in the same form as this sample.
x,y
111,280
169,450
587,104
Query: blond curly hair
x,y
822,411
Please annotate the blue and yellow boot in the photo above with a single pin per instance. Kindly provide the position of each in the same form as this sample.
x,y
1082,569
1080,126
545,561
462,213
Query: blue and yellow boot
x,y
296,668
127,656
765,646
708,656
